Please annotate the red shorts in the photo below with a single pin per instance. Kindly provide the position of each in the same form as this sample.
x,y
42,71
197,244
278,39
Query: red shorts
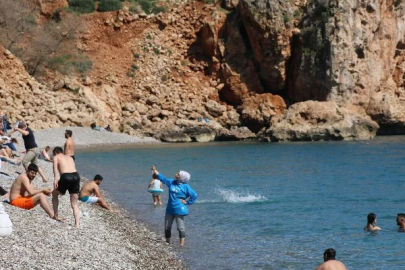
x,y
23,202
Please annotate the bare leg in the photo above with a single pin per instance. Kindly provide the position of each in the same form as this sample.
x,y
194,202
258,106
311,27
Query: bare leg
x,y
103,204
160,200
154,199
41,173
41,199
76,212
182,241
55,202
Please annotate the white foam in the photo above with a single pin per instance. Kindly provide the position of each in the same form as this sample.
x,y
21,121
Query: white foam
x,y
231,196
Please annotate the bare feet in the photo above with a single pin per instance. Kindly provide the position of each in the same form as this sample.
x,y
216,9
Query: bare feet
x,y
58,218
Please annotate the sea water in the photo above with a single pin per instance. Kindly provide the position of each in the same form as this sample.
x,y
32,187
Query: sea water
x,y
269,205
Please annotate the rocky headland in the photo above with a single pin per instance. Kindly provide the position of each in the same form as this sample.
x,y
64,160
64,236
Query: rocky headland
x,y
257,69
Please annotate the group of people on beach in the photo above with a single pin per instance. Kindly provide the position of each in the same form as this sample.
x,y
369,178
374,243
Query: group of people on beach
x,y
24,195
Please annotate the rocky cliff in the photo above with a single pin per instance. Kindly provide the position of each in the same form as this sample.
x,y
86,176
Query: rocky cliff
x,y
278,70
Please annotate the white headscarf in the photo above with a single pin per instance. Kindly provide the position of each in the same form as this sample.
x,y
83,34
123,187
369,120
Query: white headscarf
x,y
184,177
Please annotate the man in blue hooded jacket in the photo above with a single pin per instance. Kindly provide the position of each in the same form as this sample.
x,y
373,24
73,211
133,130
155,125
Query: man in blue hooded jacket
x,y
180,195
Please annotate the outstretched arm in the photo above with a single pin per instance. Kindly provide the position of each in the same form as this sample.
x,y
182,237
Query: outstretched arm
x,y
163,179
22,131
30,189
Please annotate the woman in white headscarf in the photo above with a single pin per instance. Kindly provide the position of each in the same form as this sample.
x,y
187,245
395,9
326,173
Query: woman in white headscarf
x,y
180,195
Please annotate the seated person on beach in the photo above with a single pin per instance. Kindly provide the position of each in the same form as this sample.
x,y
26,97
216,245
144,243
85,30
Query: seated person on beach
x,y
401,222
4,156
45,154
9,142
95,127
371,221
330,263
23,185
90,189
156,184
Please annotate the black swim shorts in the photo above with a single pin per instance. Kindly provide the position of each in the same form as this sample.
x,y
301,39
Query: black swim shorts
x,y
69,181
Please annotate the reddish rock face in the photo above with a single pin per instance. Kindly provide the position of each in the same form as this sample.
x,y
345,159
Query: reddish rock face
x,y
48,7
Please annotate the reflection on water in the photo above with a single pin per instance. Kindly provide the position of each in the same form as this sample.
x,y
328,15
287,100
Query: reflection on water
x,y
270,206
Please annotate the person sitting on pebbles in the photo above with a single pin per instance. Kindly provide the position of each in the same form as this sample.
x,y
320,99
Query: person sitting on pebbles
x,y
90,189
44,155
22,185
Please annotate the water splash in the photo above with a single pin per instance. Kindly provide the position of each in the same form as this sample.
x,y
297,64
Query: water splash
x,y
231,196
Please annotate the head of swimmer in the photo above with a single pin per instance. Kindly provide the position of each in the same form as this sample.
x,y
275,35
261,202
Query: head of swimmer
x,y
32,171
371,219
68,133
97,179
400,219
329,254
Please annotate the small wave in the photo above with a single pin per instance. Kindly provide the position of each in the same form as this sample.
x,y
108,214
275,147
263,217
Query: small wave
x,y
235,197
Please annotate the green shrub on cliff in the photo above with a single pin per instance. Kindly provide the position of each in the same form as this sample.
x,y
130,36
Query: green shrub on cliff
x,y
67,64
81,6
109,5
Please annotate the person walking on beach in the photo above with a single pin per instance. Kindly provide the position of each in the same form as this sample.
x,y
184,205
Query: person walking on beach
x,y
156,184
70,145
69,180
32,150
330,263
180,195
401,222
371,221
22,185
91,188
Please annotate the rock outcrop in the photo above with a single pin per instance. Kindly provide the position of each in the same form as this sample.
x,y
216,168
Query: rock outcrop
x,y
314,121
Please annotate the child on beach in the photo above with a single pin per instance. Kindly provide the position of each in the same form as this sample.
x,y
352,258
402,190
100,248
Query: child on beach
x,y
156,184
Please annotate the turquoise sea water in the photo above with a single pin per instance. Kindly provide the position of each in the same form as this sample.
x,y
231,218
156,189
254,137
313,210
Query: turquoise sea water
x,y
270,205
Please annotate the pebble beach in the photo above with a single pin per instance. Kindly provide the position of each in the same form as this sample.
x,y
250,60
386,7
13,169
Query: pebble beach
x,y
105,240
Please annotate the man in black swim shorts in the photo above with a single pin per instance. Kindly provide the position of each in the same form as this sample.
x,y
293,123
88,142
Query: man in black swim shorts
x,y
69,180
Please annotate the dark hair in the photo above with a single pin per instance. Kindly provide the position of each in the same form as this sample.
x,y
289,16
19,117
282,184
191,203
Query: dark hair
x,y
371,218
93,125
69,132
22,124
47,148
32,167
98,177
402,215
57,150
154,176
329,254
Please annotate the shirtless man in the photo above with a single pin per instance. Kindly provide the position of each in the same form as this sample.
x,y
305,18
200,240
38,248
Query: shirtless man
x,y
70,145
330,263
401,222
23,185
92,188
69,180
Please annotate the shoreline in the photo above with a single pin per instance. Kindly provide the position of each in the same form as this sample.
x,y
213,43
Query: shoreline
x,y
104,240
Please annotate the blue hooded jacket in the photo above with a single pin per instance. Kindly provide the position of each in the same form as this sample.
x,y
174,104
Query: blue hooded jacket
x,y
176,192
